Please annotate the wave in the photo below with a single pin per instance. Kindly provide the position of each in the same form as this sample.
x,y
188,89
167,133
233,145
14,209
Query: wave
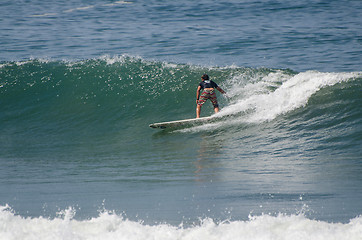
x,y
110,92
109,225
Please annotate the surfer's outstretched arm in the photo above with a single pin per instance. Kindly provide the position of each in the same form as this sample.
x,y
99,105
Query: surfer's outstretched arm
x,y
220,90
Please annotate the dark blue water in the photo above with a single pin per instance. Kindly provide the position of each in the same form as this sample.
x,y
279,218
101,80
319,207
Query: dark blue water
x,y
307,35
81,81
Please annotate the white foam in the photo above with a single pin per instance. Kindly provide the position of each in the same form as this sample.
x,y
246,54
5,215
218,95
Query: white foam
x,y
117,3
119,58
265,99
43,15
79,8
112,226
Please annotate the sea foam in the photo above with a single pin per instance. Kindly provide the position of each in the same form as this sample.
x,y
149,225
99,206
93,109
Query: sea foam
x,y
109,225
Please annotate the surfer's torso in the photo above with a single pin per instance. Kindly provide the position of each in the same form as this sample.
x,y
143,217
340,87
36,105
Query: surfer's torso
x,y
208,84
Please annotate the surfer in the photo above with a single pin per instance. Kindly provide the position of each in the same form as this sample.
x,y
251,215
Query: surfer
x,y
208,92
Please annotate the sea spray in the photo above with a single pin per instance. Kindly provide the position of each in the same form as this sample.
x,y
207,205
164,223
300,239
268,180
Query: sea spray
x,y
275,95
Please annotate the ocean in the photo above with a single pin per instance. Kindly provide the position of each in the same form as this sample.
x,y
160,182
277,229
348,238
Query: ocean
x,y
80,82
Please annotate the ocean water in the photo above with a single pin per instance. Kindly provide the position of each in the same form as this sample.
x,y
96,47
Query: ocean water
x,y
80,81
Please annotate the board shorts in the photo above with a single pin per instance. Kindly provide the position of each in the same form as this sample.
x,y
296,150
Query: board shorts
x,y
208,94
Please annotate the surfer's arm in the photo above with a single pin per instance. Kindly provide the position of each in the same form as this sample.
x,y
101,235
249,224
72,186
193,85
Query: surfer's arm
x,y
220,90
198,93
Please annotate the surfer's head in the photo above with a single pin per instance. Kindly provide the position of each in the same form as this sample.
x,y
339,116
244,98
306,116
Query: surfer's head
x,y
205,77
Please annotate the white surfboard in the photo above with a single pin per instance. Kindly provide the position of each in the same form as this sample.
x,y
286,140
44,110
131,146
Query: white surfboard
x,y
182,123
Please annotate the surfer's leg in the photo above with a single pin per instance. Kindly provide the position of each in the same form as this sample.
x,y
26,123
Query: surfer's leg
x,y
213,99
198,111
204,96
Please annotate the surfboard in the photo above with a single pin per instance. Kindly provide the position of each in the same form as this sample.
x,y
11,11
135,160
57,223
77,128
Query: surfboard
x,y
182,123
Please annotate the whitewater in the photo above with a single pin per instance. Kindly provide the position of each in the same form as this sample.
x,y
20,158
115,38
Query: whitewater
x,y
111,226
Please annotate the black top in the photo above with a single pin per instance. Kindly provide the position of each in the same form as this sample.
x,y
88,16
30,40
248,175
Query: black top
x,y
208,84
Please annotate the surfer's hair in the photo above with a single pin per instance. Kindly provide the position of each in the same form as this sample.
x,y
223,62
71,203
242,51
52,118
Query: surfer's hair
x,y
205,77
